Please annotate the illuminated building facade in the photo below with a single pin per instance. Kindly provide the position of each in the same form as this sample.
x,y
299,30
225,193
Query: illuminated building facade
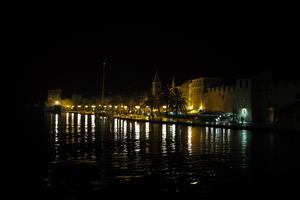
x,y
54,100
256,98
233,98
54,97
211,94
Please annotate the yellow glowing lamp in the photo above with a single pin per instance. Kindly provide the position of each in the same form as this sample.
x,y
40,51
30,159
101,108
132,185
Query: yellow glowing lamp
x,y
56,102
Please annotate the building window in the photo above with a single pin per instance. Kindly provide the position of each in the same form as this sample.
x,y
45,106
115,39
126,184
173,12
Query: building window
x,y
241,84
246,83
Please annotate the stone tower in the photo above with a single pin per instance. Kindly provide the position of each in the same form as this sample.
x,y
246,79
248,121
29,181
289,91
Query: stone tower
x,y
156,85
173,82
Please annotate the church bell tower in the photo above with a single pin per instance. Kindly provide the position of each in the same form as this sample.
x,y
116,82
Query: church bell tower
x,y
156,85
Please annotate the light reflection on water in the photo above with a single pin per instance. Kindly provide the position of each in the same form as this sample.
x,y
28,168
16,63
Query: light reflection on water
x,y
139,149
165,138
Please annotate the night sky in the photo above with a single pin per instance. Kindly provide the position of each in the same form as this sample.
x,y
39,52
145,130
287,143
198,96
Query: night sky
x,y
62,46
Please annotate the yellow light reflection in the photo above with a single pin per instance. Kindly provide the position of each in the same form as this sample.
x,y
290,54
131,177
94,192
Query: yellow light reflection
x,y
164,138
172,136
72,123
56,127
67,122
56,145
78,123
56,119
115,125
121,124
85,123
93,123
147,130
85,128
93,126
125,129
190,139
130,127
137,129
206,129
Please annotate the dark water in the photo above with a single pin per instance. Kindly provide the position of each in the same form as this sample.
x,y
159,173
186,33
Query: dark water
x,y
70,156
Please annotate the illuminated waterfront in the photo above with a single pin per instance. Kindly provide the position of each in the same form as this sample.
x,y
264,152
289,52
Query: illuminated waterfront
x,y
89,155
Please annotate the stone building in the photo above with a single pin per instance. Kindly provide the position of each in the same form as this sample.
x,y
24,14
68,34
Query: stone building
x,y
54,97
54,100
233,98
273,98
156,85
258,98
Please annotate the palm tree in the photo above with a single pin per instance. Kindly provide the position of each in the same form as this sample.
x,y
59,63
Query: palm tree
x,y
152,102
178,100
165,98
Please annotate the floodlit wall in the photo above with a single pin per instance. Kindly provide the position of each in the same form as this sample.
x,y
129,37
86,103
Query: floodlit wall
x,y
256,99
234,99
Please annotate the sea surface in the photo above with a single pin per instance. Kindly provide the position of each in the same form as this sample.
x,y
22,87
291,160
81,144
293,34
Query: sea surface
x,y
77,156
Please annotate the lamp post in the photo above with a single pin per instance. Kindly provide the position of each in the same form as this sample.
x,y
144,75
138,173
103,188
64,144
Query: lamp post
x,y
103,75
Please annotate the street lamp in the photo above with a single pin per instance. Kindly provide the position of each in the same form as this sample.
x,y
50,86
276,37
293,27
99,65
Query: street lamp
x,y
103,75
